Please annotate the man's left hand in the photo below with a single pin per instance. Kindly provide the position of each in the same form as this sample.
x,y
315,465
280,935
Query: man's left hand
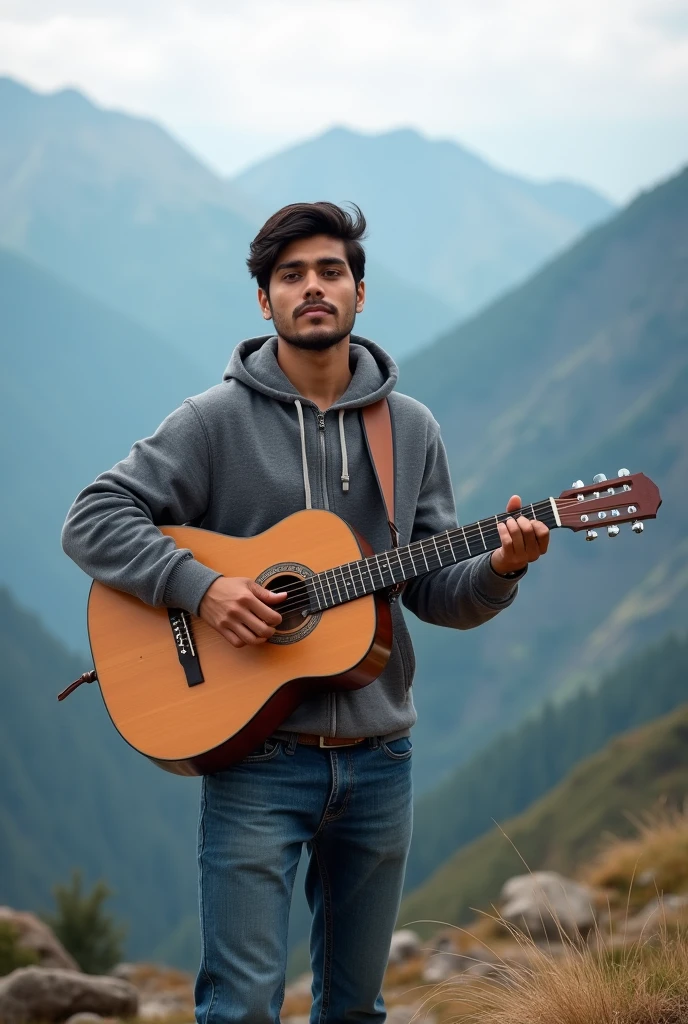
x,y
523,541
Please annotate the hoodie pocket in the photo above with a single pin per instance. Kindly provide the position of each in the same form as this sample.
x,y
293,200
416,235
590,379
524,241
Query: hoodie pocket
x,y
402,639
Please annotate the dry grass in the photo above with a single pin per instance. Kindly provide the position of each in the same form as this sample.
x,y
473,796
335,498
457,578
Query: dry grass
x,y
643,983
653,861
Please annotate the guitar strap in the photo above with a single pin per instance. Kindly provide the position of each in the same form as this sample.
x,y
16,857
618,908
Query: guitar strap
x,y
377,428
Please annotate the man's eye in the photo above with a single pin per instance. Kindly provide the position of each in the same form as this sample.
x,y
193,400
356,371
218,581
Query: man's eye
x,y
333,273
290,277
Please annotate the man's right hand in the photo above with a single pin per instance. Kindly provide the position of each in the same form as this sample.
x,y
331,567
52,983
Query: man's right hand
x,y
240,610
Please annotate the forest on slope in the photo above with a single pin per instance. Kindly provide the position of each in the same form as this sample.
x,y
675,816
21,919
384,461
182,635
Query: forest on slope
x,y
582,370
608,793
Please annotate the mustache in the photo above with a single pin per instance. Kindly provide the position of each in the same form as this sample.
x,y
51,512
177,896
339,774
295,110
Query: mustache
x,y
312,305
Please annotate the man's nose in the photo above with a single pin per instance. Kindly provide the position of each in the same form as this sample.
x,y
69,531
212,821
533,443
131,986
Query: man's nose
x,y
312,285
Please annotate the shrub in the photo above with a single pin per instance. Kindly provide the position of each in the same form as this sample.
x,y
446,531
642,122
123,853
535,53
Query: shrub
x,y
83,927
12,954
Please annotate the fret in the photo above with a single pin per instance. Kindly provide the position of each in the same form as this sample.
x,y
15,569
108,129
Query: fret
x,y
322,589
367,565
451,546
360,576
422,551
351,577
532,509
377,562
315,592
389,566
401,564
465,540
330,589
437,552
334,580
413,563
481,534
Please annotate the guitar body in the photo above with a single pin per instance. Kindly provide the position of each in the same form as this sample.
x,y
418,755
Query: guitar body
x,y
195,727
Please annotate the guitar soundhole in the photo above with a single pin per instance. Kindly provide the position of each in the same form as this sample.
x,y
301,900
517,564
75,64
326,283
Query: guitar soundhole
x,y
297,622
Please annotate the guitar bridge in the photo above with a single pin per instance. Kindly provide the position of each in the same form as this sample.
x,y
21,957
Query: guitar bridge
x,y
186,649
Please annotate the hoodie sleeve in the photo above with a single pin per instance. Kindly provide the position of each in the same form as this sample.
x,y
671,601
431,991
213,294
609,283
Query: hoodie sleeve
x,y
111,530
459,596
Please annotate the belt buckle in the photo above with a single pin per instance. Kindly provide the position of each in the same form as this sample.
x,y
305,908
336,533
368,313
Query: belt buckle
x,y
327,746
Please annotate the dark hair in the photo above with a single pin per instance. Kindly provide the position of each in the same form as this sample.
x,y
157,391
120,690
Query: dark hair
x,y
303,220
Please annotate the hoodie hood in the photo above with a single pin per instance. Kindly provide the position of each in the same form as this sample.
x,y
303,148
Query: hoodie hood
x,y
254,363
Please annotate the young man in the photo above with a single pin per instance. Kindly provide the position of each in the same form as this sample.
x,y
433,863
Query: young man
x,y
282,431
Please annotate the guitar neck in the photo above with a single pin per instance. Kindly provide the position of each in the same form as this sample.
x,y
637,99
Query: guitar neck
x,y
377,572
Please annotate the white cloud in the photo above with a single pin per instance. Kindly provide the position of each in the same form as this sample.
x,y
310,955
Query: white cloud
x,y
515,77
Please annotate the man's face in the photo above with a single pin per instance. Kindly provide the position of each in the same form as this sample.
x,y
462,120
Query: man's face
x,y
313,299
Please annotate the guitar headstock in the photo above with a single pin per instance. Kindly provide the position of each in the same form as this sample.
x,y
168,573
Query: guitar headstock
x,y
629,498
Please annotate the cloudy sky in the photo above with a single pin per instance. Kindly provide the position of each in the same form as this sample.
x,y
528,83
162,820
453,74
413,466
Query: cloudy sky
x,y
590,89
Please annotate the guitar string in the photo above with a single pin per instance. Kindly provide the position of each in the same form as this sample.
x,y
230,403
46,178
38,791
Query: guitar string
x,y
299,598
417,548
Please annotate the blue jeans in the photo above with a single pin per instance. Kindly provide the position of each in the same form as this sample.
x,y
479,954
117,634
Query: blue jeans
x,y
352,807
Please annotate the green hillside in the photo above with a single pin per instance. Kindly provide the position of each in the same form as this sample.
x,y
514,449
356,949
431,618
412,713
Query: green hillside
x,y
518,767
123,211
80,384
75,795
441,217
563,829
582,370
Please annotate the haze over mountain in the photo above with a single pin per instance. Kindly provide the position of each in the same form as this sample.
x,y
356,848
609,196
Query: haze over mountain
x,y
584,369
80,384
74,794
441,218
116,206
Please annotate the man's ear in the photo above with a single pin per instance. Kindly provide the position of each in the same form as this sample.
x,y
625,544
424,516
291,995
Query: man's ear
x,y
360,297
264,303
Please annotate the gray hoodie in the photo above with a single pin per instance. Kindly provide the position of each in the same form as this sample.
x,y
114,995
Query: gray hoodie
x,y
250,451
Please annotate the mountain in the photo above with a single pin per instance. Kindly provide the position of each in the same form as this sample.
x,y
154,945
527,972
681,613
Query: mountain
x,y
73,794
120,209
80,384
519,766
440,216
583,369
603,794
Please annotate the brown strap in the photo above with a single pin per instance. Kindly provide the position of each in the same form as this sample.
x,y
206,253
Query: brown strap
x,y
378,429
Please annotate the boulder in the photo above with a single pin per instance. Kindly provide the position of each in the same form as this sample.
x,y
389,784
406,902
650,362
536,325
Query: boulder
x,y
405,944
53,994
34,934
659,913
544,902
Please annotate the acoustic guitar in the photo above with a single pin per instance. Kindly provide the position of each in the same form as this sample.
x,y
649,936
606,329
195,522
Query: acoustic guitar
x,y
187,699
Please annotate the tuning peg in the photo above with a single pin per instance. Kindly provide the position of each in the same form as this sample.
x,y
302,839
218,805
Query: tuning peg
x,y
623,472
613,531
577,483
599,478
591,535
637,527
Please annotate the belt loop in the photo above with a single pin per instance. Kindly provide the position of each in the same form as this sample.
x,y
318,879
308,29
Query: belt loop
x,y
291,745
374,742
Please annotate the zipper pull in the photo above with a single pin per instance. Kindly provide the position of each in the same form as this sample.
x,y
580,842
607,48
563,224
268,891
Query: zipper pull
x,y
321,421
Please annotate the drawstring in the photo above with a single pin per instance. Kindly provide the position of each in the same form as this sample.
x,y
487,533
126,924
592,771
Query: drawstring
x,y
304,460
345,458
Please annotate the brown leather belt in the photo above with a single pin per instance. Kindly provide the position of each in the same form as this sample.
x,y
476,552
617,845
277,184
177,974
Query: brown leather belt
x,y
328,741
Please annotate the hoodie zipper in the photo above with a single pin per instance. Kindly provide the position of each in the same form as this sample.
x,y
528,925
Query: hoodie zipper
x,y
320,417
323,458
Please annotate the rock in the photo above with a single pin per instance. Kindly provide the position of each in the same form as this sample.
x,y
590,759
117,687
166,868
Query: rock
x,y
439,967
405,944
53,994
544,902
34,934
301,986
85,1018
408,1014
667,910
124,970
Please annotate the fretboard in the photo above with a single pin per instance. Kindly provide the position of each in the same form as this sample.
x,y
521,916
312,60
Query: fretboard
x,y
377,572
